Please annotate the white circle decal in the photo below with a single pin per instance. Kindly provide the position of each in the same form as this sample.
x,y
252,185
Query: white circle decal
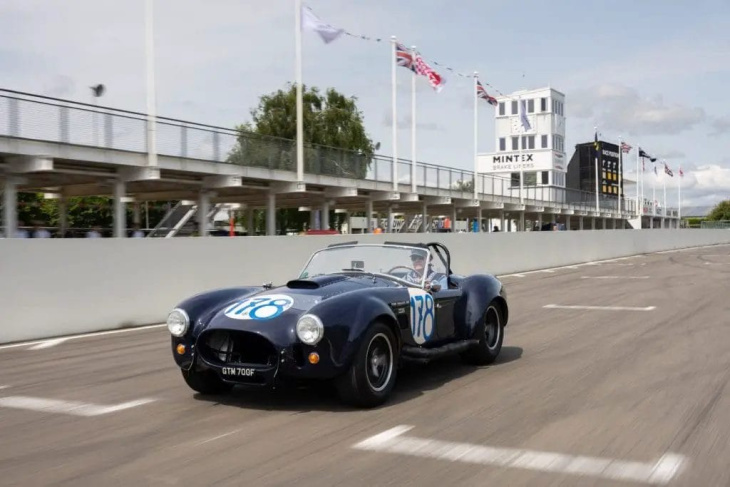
x,y
260,308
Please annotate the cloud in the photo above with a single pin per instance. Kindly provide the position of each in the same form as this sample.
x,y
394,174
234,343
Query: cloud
x,y
720,126
671,154
405,123
622,109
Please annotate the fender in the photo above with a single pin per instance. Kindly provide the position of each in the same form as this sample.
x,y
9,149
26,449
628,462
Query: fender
x,y
479,291
200,308
349,319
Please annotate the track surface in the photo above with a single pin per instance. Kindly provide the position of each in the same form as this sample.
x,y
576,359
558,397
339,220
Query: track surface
x,y
619,384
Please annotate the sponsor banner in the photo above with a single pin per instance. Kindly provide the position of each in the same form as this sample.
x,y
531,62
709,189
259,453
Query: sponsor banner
x,y
529,160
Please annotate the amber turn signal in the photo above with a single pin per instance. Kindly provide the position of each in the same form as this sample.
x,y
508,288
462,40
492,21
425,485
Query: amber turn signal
x,y
313,358
181,349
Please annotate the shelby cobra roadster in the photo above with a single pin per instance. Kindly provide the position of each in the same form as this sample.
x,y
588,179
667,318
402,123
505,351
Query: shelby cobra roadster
x,y
354,314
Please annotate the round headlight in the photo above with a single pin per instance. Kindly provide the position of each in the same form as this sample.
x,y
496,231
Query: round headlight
x,y
310,329
178,322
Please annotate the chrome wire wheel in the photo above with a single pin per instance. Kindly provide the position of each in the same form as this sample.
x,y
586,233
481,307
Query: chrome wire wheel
x,y
379,362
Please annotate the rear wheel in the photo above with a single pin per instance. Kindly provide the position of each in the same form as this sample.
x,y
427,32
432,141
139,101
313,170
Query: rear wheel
x,y
371,377
490,332
205,381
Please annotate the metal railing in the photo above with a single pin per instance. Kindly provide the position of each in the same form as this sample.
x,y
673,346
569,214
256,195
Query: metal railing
x,y
36,117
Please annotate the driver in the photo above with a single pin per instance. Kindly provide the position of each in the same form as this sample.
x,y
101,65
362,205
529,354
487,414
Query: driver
x,y
418,258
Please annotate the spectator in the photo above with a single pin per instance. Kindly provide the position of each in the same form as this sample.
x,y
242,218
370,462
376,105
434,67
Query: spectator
x,y
95,232
39,232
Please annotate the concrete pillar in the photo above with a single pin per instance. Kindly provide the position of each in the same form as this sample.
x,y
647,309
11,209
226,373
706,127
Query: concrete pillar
x,y
10,207
502,225
271,214
326,215
651,222
567,222
539,221
424,218
390,219
368,216
479,220
605,225
120,213
203,209
250,222
522,222
613,223
580,222
453,219
593,223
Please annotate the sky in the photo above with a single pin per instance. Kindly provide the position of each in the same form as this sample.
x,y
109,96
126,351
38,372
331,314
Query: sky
x,y
652,72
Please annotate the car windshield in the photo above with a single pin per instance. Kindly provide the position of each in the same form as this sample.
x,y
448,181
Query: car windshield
x,y
402,262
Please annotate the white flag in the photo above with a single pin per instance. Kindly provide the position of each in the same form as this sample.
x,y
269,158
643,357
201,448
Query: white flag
x,y
523,116
311,22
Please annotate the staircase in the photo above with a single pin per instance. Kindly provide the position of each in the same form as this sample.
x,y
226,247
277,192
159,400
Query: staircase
x,y
179,220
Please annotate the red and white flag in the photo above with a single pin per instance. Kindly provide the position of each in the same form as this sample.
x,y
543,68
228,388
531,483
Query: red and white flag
x,y
437,81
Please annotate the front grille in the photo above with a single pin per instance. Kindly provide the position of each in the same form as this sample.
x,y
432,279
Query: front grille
x,y
230,347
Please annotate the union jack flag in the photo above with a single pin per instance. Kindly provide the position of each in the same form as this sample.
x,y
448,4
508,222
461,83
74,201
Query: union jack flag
x,y
403,57
482,93
437,81
625,147
667,170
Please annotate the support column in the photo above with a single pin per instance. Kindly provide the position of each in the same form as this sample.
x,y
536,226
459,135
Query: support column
x,y
390,219
580,222
271,214
501,226
539,221
136,214
604,225
479,220
424,218
120,213
567,222
593,223
250,230
203,208
613,223
326,215
10,207
454,215
368,216
522,221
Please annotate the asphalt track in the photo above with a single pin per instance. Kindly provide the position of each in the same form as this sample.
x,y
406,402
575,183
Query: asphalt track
x,y
619,385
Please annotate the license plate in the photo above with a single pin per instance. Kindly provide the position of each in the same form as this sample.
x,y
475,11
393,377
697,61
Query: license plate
x,y
238,371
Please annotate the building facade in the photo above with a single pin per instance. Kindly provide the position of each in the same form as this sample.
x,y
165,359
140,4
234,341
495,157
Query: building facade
x,y
538,149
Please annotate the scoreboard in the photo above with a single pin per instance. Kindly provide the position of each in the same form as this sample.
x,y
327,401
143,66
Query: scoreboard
x,y
608,160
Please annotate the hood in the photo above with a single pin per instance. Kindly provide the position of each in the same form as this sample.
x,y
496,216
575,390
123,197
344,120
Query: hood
x,y
283,305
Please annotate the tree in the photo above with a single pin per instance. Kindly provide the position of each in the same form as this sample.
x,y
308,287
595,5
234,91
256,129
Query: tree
x,y
335,140
720,212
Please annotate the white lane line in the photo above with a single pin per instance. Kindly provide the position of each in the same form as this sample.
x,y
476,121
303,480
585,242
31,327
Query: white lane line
x,y
218,437
608,308
662,471
614,277
48,344
83,335
66,407
3,387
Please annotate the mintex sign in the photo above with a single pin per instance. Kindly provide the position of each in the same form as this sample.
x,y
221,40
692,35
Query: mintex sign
x,y
513,161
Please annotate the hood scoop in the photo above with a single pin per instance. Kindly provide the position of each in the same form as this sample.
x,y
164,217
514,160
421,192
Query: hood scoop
x,y
314,282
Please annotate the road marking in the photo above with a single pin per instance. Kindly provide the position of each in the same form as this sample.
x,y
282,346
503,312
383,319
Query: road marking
x,y
48,344
548,271
614,277
66,407
662,471
3,387
83,335
218,437
608,308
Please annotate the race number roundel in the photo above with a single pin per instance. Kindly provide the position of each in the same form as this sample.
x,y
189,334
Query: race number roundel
x,y
260,308
423,319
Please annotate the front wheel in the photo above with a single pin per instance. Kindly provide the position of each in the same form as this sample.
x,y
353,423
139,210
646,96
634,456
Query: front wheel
x,y
490,332
371,377
205,381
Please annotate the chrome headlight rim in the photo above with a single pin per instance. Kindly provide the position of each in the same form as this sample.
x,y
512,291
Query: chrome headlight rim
x,y
185,319
304,320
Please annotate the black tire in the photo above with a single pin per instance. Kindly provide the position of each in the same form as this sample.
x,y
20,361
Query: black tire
x,y
362,386
205,381
490,331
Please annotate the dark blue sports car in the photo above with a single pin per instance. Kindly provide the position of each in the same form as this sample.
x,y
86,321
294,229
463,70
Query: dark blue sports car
x,y
353,315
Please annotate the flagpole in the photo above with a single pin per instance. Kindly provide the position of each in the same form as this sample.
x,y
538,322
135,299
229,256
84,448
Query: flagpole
x,y
476,131
637,184
519,145
596,161
393,80
300,108
151,104
664,185
679,211
413,122
620,173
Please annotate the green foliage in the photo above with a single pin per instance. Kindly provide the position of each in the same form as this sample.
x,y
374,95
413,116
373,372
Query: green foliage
x,y
720,212
335,140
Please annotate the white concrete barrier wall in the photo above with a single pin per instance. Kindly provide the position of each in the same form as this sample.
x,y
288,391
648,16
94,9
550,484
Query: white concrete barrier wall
x,y
59,287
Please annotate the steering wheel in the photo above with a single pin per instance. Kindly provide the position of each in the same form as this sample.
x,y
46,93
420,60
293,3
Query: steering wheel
x,y
401,267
